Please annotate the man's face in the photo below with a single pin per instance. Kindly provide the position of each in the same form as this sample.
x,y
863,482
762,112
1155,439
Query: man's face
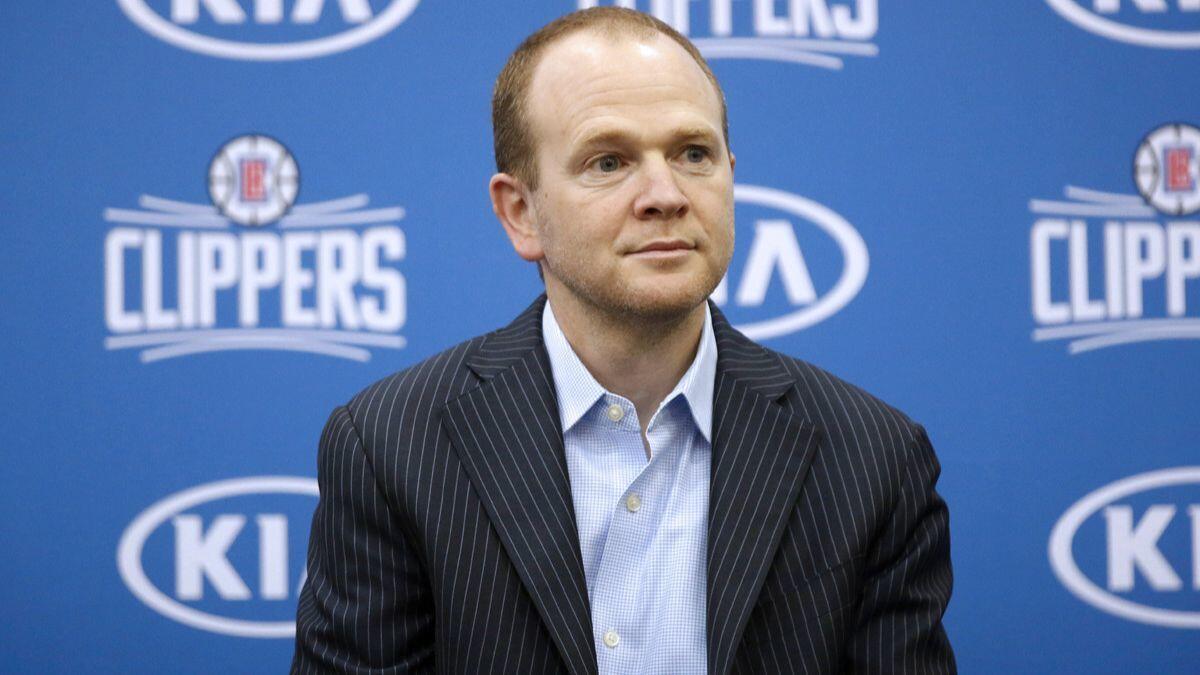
x,y
634,206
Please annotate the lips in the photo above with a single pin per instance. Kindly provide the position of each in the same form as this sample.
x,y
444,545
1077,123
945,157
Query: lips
x,y
665,246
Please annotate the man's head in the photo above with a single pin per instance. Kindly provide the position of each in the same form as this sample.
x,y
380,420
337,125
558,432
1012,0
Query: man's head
x,y
624,195
514,141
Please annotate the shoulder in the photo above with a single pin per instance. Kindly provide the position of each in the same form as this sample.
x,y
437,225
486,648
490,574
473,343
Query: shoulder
x,y
412,397
407,405
846,413
865,442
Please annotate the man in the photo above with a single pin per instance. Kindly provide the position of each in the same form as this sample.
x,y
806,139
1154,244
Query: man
x,y
619,481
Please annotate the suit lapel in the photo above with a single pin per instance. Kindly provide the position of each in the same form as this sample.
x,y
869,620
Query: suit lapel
x,y
507,433
760,456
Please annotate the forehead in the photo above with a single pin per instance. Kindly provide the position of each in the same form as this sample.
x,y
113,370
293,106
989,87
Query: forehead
x,y
589,79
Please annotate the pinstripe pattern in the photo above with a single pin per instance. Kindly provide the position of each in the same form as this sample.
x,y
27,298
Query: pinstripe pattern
x,y
445,538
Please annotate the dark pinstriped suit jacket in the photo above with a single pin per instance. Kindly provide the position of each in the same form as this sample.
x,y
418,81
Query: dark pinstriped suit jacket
x,y
445,537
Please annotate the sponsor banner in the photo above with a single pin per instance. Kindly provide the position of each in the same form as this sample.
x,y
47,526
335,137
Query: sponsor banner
x,y
1111,269
1132,548
1166,24
819,33
253,270
226,217
796,263
225,557
267,30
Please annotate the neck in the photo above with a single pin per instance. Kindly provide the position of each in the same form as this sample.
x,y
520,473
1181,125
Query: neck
x,y
639,358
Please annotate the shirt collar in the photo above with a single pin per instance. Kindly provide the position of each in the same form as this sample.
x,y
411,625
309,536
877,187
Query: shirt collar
x,y
578,391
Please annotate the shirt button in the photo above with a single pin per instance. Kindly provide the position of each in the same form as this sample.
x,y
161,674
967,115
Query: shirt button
x,y
633,503
615,412
611,639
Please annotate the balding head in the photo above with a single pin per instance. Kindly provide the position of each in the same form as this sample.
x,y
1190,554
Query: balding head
x,y
515,143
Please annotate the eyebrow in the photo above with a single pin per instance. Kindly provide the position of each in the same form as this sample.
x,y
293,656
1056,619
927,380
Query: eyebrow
x,y
611,137
697,132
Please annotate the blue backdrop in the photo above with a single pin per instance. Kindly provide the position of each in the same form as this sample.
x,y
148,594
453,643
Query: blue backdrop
x,y
982,212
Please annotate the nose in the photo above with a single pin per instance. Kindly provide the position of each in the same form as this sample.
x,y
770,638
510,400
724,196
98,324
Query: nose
x,y
660,197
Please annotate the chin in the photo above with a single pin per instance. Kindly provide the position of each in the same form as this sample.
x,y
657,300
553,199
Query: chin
x,y
653,298
658,301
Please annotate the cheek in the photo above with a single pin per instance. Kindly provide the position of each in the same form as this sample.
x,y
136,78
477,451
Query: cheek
x,y
567,233
594,224
716,212
582,223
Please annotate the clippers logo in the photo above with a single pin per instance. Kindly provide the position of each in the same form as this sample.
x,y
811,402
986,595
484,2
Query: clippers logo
x,y
267,30
1108,269
225,557
1134,560
1166,24
184,279
809,32
253,180
1165,169
802,264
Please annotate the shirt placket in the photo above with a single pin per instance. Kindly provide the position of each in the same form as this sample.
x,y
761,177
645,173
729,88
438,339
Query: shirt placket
x,y
622,624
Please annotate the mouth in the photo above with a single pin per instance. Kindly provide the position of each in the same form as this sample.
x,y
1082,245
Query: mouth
x,y
664,248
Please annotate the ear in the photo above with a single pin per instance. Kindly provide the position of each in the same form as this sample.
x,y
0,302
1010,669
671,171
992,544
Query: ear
x,y
513,207
732,161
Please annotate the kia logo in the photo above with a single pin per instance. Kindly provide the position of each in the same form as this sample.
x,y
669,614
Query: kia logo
x,y
357,24
1096,21
206,546
776,259
1132,547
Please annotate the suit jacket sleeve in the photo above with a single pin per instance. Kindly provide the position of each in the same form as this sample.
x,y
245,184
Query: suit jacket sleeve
x,y
899,624
366,606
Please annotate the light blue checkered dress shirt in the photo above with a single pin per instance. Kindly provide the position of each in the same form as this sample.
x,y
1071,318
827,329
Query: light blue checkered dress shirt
x,y
642,522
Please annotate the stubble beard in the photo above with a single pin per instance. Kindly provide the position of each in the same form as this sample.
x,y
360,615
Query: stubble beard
x,y
620,302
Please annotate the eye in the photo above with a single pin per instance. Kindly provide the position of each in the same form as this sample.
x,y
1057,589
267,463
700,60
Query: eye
x,y
607,163
695,154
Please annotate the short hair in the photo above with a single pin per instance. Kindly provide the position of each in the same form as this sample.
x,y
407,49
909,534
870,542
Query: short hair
x,y
514,146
